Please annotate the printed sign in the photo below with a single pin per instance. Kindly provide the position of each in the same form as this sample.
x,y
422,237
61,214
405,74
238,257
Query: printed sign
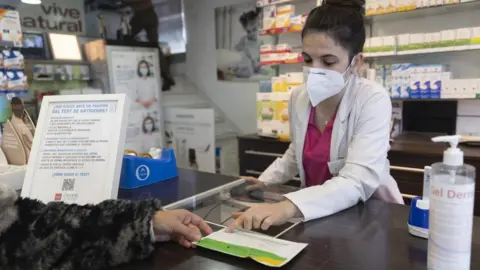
x,y
59,16
78,149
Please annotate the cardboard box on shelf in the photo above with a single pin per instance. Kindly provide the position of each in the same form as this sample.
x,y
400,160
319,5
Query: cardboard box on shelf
x,y
11,28
463,37
282,21
286,9
272,114
403,42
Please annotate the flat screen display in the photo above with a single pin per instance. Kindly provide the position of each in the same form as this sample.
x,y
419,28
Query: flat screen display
x,y
34,46
33,40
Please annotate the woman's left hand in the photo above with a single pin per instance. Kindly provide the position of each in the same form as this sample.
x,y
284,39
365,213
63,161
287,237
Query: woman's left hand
x,y
264,215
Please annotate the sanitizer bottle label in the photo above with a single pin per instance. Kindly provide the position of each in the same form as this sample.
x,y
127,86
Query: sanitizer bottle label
x,y
450,232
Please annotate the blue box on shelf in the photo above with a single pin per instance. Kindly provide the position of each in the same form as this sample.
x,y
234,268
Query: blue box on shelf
x,y
140,171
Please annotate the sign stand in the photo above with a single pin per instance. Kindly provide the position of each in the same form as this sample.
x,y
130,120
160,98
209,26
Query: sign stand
x,y
77,150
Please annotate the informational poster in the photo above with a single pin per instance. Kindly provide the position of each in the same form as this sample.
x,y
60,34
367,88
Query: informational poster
x,y
191,133
135,72
77,152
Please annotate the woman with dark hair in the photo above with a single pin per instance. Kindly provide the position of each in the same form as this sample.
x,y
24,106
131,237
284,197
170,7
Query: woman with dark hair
x,y
147,93
340,127
148,125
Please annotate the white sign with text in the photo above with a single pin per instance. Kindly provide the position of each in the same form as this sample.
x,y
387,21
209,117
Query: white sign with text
x,y
77,150
59,16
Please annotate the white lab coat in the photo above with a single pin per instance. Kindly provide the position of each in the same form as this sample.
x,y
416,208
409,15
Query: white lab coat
x,y
358,152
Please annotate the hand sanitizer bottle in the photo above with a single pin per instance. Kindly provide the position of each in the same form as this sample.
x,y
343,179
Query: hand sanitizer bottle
x,y
452,194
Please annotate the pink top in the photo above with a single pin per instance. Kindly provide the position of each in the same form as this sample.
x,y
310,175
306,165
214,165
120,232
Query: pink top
x,y
316,152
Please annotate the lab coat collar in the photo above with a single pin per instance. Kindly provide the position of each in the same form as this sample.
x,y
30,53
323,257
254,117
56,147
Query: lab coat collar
x,y
348,99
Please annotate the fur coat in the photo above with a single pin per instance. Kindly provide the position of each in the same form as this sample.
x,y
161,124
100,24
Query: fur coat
x,y
34,235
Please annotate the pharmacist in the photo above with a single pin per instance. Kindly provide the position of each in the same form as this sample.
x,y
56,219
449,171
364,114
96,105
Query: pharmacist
x,y
340,127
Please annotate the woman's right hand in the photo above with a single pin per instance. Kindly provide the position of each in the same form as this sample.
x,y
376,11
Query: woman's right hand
x,y
253,182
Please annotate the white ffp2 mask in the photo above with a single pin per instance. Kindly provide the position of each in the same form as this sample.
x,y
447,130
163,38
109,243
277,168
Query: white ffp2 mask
x,y
323,83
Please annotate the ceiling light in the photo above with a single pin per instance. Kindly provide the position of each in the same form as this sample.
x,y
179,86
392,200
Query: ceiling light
x,y
32,2
65,47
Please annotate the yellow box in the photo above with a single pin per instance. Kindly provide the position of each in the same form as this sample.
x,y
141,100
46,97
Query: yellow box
x,y
279,84
282,111
282,21
286,9
269,23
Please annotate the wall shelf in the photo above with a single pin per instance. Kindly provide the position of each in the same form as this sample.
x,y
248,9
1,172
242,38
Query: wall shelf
x,y
424,12
475,47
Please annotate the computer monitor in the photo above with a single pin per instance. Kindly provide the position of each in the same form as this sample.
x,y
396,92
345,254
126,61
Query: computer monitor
x,y
34,46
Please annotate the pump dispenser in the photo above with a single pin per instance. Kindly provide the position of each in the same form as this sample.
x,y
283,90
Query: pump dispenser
x,y
452,199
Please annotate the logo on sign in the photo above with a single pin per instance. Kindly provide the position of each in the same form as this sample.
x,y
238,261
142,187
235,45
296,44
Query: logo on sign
x,y
142,173
58,196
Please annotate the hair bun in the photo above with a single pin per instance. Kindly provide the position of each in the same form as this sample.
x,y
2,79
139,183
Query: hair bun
x,y
355,4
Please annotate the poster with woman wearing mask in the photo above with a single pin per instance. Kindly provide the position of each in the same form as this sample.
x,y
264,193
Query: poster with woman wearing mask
x,y
136,74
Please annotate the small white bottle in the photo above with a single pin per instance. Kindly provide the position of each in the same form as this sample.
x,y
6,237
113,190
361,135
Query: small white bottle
x,y
452,193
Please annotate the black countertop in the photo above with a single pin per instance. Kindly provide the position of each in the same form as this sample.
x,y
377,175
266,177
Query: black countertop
x,y
368,236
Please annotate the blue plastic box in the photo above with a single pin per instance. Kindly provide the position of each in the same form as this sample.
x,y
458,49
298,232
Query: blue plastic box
x,y
140,171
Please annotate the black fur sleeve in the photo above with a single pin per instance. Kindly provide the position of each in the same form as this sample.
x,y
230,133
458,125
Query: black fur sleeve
x,y
61,236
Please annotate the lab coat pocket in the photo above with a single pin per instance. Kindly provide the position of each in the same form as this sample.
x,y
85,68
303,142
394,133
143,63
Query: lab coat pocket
x,y
336,165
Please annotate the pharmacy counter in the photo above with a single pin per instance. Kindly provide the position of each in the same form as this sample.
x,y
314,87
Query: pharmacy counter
x,y
368,236
408,155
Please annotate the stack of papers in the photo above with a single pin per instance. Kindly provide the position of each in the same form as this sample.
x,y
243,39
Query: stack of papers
x,y
263,249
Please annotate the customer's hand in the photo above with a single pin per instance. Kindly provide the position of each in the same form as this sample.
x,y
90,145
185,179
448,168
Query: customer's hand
x,y
179,225
254,183
264,215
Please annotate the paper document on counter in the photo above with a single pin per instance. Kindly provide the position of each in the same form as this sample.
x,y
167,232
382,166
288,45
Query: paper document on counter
x,y
263,249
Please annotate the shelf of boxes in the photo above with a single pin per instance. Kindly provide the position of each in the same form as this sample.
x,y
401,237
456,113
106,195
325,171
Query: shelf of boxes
x,y
279,31
376,10
453,40
271,54
408,81
13,80
272,105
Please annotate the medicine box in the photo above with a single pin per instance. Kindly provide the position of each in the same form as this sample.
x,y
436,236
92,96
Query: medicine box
x,y
282,21
294,78
403,42
448,38
267,48
475,40
269,15
463,38
286,9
